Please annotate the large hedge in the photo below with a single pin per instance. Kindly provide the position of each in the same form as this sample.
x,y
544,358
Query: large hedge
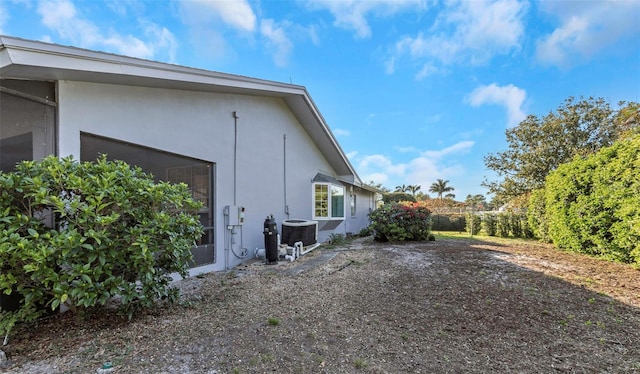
x,y
473,223
79,234
592,205
401,222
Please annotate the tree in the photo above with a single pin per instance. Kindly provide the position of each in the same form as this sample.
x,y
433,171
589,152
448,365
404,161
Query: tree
x,y
475,201
420,196
413,188
628,119
538,146
403,188
440,187
396,197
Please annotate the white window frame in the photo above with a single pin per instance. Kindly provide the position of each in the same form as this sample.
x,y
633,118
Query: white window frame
x,y
329,208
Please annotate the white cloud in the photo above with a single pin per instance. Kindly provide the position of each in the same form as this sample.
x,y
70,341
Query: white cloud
x,y
352,14
427,70
460,147
510,96
586,29
380,165
4,17
63,18
235,13
390,66
164,39
278,40
422,170
465,31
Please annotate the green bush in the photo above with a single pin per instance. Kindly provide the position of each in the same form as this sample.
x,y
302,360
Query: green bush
x,y
473,223
398,222
503,225
337,239
397,197
593,204
365,232
515,224
79,234
490,224
536,216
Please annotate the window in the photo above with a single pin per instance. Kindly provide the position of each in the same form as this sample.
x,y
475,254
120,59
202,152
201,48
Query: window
x,y
328,201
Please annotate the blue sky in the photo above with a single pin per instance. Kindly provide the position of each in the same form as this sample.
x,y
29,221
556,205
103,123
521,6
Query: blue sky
x,y
413,90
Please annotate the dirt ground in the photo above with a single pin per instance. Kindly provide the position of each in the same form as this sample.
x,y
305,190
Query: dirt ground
x,y
449,306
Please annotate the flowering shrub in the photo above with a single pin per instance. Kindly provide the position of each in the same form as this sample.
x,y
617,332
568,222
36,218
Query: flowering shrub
x,y
401,222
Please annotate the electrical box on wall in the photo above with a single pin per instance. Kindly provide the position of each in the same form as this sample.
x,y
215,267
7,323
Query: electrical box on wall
x,y
234,215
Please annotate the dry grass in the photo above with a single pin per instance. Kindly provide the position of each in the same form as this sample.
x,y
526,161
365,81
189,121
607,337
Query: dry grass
x,y
454,305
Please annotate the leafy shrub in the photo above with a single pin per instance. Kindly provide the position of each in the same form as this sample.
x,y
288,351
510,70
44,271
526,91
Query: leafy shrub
x,y
365,232
337,239
78,234
399,222
536,216
473,223
490,224
397,197
593,204
503,225
527,230
515,224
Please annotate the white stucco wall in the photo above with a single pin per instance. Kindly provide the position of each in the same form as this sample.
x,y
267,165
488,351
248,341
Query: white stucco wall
x,y
364,205
201,125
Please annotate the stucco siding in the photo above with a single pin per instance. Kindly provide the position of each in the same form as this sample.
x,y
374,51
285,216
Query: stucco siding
x,y
202,125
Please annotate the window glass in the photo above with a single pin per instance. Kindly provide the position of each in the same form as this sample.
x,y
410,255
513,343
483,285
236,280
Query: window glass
x,y
164,166
321,200
26,130
337,201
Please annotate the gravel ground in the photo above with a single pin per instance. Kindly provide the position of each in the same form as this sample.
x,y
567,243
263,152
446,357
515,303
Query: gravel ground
x,y
449,306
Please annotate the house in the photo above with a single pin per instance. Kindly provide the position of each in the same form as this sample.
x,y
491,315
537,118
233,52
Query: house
x,y
248,148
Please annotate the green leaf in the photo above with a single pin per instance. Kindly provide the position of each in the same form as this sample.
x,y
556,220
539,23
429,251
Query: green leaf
x,y
33,233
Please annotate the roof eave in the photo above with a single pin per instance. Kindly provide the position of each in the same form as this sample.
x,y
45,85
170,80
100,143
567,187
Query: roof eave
x,y
28,59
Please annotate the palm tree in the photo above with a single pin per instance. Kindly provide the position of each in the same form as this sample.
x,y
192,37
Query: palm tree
x,y
413,188
440,187
402,188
